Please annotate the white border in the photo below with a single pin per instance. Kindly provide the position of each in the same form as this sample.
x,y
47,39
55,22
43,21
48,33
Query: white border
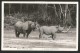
x,y
39,49
40,2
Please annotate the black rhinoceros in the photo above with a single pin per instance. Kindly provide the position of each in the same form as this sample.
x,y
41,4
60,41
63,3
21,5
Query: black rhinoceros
x,y
24,27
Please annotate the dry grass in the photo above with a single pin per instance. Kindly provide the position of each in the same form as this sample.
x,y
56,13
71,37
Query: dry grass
x,y
63,40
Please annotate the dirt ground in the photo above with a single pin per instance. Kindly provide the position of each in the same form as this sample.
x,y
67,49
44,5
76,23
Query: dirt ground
x,y
63,40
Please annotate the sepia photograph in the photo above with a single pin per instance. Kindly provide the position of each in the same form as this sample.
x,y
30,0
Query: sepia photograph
x,y
39,26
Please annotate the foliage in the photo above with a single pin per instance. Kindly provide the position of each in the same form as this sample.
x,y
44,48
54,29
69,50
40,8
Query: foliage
x,y
44,14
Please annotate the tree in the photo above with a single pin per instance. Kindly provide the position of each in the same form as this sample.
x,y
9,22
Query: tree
x,y
9,8
46,14
20,8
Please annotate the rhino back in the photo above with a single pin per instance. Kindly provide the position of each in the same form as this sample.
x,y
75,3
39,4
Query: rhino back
x,y
30,22
45,30
48,29
53,29
19,24
25,26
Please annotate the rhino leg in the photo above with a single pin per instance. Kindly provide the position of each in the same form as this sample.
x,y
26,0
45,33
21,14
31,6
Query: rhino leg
x,y
40,35
18,34
28,34
53,36
24,33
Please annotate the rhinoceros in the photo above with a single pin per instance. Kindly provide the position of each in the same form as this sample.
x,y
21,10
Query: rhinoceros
x,y
24,27
49,30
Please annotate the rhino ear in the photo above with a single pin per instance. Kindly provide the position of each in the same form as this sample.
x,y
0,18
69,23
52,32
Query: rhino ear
x,y
57,26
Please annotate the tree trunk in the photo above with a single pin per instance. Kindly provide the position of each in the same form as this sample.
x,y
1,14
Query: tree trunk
x,y
9,8
65,13
20,8
60,15
55,11
67,18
